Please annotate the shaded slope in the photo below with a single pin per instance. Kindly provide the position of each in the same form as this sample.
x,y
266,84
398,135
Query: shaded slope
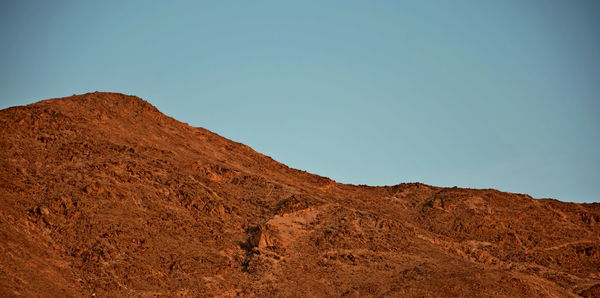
x,y
101,193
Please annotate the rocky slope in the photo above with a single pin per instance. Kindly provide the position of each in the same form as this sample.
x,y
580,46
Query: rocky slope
x,y
101,194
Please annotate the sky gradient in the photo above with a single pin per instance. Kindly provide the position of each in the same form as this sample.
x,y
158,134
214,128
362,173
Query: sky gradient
x,y
481,94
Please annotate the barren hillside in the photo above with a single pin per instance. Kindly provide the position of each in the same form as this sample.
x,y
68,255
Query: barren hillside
x,y
101,194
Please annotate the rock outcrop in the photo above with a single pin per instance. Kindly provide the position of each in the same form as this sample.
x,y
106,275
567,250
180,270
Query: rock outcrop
x,y
101,194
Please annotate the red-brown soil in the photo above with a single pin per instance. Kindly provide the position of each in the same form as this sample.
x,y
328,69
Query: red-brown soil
x,y
101,194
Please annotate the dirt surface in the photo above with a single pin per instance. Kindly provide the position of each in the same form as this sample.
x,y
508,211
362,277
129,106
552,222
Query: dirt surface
x,y
103,195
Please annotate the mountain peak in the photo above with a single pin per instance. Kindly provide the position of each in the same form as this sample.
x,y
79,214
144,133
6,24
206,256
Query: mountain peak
x,y
116,109
101,98
113,103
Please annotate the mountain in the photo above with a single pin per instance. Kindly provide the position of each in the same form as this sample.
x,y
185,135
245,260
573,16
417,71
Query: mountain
x,y
103,195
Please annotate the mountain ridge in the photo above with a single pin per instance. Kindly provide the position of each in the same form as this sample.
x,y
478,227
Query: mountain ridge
x,y
144,106
103,194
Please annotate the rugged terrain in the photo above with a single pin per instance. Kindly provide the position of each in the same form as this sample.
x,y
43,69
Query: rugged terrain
x,y
101,194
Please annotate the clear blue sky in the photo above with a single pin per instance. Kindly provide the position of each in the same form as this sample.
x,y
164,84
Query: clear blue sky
x,y
484,94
